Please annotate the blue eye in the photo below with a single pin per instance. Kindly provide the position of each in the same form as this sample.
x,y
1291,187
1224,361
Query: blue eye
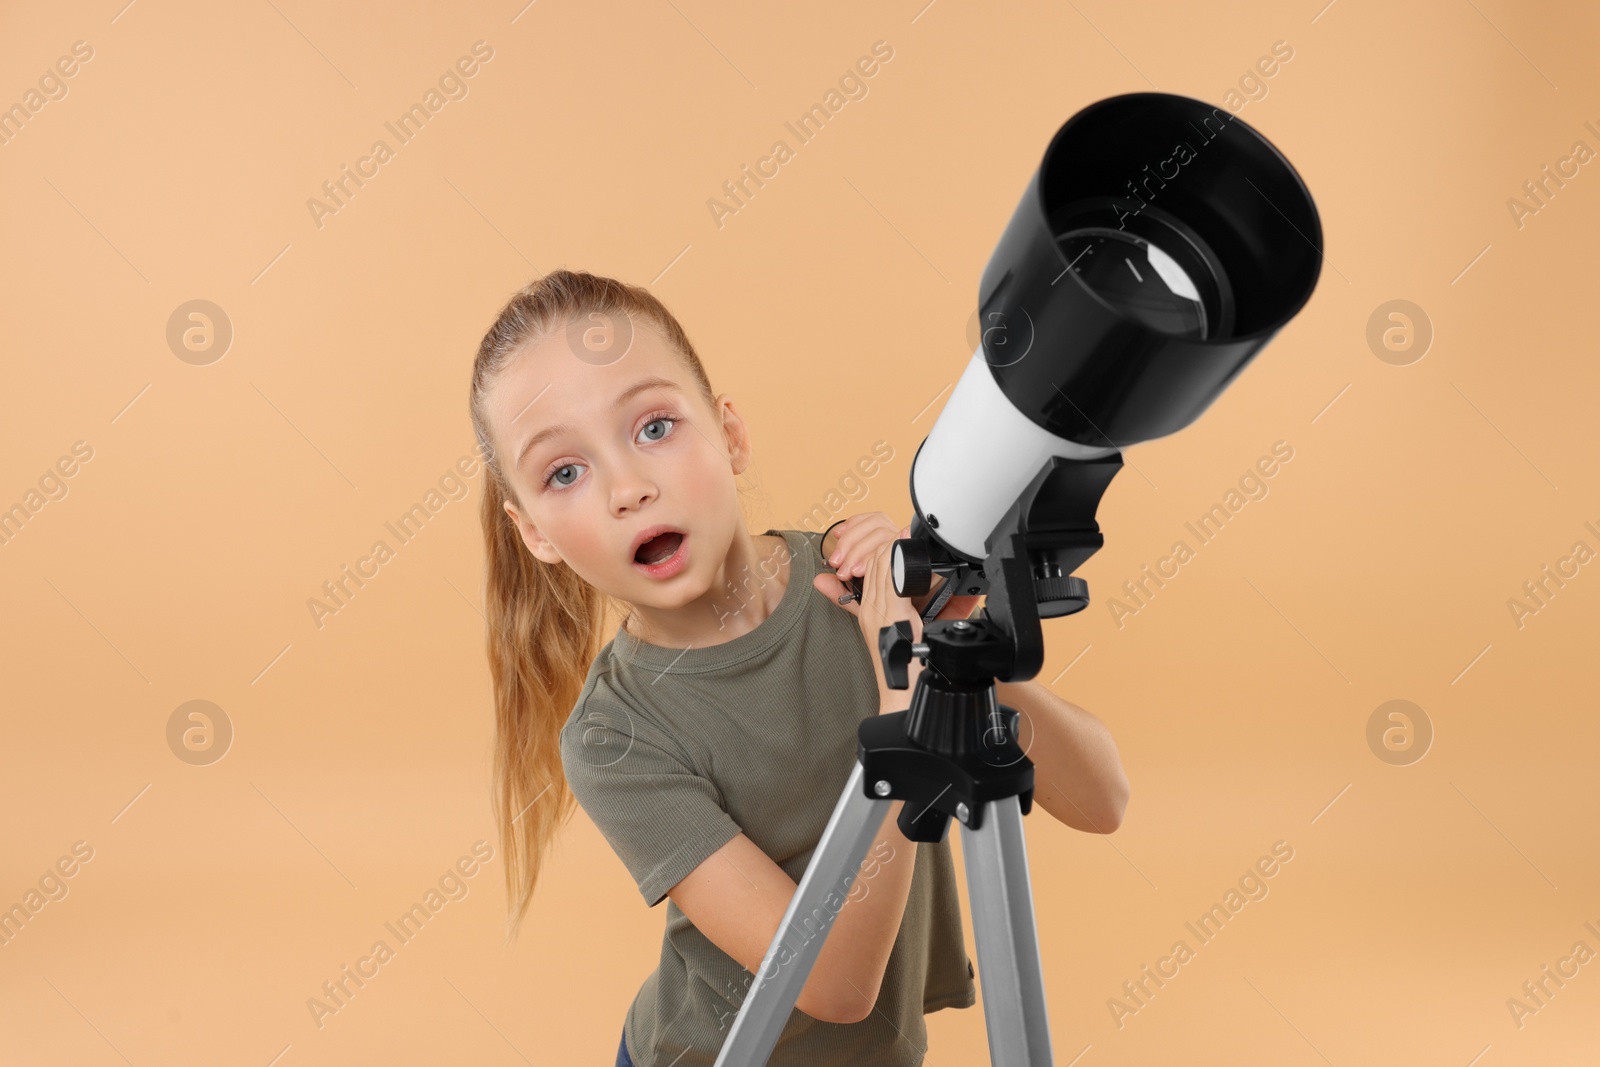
x,y
661,419
669,420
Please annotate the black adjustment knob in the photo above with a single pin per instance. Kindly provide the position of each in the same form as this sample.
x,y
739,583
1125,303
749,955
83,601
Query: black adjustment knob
x,y
1060,595
894,648
912,567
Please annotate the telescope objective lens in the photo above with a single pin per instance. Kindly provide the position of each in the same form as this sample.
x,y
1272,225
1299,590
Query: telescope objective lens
x,y
1136,278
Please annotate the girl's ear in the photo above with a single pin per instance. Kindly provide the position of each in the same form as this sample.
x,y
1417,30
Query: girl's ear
x,y
736,432
542,549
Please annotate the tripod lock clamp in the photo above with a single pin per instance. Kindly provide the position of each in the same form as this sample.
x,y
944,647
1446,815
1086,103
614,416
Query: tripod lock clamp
x,y
895,649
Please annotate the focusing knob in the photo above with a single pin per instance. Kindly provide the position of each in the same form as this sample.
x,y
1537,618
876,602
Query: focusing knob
x,y
1059,596
912,567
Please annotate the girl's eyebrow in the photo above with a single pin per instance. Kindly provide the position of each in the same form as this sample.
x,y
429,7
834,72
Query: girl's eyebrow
x,y
622,398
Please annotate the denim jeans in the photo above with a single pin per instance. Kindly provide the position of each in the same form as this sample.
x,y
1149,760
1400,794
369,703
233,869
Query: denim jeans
x,y
622,1051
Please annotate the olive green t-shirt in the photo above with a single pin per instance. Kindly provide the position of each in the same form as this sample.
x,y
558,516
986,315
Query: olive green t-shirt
x,y
672,752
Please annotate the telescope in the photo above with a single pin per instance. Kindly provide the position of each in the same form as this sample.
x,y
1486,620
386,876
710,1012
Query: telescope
x,y
1157,248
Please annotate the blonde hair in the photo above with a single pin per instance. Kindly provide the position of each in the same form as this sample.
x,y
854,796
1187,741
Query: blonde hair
x,y
544,620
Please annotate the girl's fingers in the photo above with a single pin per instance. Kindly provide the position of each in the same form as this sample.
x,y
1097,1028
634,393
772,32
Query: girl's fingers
x,y
878,585
833,589
860,550
848,535
833,535
868,555
867,541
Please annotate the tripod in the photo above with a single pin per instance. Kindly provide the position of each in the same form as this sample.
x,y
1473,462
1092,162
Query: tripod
x,y
952,753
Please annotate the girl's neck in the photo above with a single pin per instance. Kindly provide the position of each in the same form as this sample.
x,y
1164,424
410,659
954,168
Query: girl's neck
x,y
744,593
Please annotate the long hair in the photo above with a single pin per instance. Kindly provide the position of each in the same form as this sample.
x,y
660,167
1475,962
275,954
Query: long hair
x,y
545,622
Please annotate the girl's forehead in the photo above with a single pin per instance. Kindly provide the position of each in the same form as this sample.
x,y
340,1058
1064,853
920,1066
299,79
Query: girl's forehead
x,y
553,375
546,383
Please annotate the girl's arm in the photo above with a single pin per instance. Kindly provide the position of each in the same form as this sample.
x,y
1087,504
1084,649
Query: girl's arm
x,y
737,898
1077,774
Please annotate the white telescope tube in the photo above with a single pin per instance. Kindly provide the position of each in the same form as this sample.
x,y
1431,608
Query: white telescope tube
x,y
980,455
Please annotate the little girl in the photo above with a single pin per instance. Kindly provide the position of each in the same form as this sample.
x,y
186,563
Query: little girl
x,y
709,739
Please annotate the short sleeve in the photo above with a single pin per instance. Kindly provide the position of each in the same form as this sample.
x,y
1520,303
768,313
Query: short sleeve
x,y
661,817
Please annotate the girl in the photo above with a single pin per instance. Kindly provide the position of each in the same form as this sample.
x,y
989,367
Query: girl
x,y
710,737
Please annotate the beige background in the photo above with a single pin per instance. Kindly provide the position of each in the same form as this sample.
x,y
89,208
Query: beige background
x,y
835,306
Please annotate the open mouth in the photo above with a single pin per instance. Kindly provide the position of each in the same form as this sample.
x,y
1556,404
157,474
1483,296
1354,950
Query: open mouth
x,y
658,549
663,555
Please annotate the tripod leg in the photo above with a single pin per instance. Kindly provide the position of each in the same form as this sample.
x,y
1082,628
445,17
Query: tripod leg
x,y
835,865
1009,967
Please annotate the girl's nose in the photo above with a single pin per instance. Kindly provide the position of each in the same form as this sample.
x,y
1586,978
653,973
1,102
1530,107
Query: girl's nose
x,y
631,489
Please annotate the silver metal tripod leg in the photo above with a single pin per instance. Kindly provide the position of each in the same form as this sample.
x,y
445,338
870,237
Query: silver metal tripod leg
x,y
834,867
1009,967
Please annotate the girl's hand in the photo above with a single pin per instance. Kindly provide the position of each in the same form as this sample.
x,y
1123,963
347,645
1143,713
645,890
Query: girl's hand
x,y
862,547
